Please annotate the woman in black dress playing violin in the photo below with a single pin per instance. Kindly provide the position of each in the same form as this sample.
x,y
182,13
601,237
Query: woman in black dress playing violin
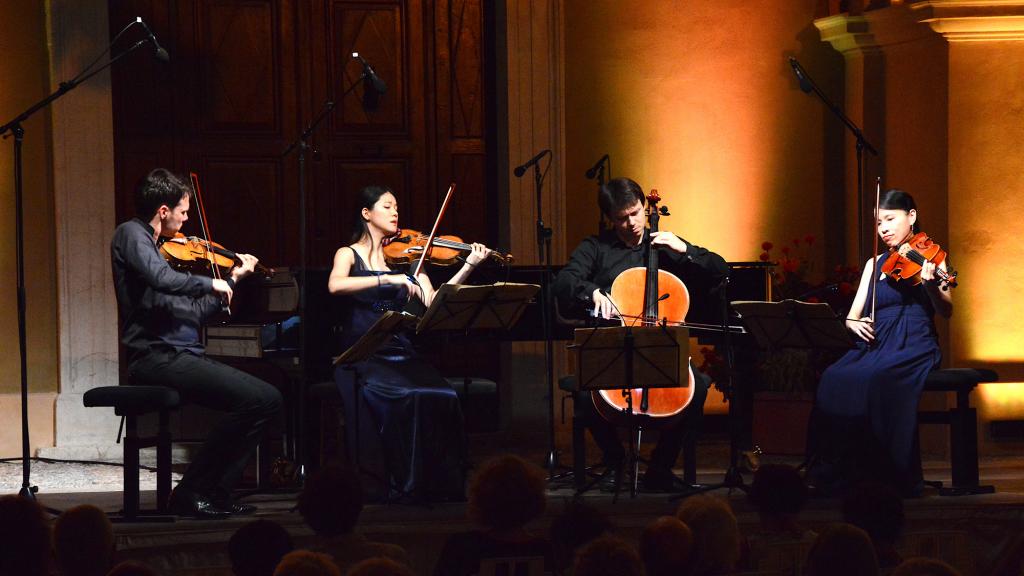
x,y
411,430
865,426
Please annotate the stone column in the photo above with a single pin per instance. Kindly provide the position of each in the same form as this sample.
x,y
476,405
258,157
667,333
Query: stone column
x,y
83,167
986,181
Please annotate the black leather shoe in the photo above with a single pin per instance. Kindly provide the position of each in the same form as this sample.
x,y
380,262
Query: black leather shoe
x,y
187,503
224,502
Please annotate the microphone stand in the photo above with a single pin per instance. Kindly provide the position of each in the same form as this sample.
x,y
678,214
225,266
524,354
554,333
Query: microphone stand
x,y
302,145
18,132
544,252
862,144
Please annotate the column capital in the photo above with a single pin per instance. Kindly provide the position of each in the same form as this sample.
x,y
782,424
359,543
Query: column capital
x,y
973,20
872,30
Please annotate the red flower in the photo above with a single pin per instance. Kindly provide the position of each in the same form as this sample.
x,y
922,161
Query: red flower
x,y
809,239
796,241
790,265
785,249
813,300
845,288
764,256
767,246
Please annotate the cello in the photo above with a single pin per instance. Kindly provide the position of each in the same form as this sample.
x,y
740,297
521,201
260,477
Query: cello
x,y
651,296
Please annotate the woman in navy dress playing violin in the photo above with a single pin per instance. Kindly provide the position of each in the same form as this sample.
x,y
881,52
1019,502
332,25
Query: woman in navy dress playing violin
x,y
410,422
865,426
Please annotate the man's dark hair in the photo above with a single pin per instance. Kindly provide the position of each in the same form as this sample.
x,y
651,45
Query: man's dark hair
x,y
257,547
24,537
618,194
332,500
161,187
877,509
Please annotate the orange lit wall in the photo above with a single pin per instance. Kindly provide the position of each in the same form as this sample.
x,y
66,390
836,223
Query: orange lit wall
x,y
24,70
986,214
697,100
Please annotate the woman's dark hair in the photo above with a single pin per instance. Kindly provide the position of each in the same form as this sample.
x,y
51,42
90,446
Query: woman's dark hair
x,y
366,198
161,187
778,489
896,199
506,492
618,194
332,500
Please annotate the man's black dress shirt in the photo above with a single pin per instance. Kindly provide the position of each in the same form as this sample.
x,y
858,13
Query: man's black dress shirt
x,y
160,308
598,260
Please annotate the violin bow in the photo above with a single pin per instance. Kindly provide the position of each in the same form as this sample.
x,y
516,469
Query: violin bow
x,y
874,253
204,229
433,232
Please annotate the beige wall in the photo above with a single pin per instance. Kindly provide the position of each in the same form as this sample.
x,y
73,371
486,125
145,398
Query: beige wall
x,y
697,100
24,70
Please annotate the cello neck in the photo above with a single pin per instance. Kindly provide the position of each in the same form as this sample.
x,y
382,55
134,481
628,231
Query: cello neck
x,y
651,285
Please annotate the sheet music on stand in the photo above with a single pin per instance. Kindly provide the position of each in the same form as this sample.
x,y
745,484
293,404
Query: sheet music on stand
x,y
389,324
463,308
612,358
793,324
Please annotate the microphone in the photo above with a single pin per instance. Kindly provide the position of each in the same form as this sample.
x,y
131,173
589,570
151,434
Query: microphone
x,y
805,83
522,169
158,51
596,167
370,76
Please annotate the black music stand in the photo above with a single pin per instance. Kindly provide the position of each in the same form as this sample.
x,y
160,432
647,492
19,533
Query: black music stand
x,y
386,327
458,307
616,358
793,324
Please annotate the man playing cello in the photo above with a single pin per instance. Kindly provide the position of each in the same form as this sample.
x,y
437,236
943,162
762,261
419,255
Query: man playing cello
x,y
585,282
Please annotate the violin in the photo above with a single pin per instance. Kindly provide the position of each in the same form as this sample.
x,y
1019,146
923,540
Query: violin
x,y
198,256
407,246
906,261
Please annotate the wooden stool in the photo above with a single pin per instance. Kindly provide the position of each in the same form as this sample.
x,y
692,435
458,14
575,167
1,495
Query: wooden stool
x,y
963,426
130,402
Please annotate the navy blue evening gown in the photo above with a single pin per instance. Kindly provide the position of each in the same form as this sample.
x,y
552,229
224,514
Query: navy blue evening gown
x,y
866,411
411,429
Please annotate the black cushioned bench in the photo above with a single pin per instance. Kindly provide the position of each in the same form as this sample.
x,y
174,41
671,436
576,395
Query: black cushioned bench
x,y
962,420
131,402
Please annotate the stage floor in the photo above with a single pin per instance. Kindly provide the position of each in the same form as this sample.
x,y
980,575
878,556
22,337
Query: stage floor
x,y
974,533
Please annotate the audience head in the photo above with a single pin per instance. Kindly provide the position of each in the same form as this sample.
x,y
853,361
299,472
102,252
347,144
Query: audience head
x,y
608,556
83,542
506,493
257,547
924,567
716,536
24,537
578,524
665,547
332,500
379,567
306,563
842,550
131,568
778,491
877,509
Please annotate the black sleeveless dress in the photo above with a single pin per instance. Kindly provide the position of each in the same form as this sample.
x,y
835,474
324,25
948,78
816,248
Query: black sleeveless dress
x,y
411,430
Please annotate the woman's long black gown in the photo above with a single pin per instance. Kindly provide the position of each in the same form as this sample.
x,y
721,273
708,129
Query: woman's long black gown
x,y
410,422
866,411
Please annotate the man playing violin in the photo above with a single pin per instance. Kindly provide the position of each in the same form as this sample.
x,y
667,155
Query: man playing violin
x,y
161,313
585,282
